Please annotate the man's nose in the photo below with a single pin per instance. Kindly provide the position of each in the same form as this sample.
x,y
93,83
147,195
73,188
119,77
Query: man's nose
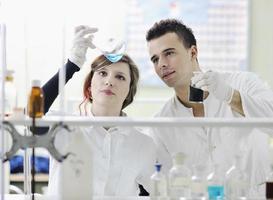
x,y
162,63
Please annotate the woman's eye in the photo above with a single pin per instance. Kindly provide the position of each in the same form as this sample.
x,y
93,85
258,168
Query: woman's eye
x,y
120,77
102,73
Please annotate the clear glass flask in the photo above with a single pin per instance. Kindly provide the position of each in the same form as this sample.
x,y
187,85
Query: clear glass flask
x,y
158,184
10,93
179,178
269,185
112,48
199,182
236,181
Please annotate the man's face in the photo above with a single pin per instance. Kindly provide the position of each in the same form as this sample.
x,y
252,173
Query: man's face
x,y
172,62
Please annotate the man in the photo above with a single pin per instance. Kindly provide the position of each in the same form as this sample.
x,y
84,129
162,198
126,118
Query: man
x,y
173,52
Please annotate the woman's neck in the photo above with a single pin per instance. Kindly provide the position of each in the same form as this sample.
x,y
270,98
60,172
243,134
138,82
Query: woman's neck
x,y
101,111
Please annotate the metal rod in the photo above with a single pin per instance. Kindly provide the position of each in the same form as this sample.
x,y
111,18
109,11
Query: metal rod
x,y
3,66
148,122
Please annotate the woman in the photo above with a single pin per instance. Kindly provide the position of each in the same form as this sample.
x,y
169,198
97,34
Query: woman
x,y
116,159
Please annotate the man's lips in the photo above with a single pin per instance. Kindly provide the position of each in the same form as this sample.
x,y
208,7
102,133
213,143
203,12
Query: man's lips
x,y
166,75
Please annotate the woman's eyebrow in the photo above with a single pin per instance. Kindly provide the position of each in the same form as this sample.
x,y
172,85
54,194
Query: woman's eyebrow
x,y
119,72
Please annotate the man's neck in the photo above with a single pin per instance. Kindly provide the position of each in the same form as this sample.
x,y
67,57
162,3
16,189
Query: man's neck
x,y
183,97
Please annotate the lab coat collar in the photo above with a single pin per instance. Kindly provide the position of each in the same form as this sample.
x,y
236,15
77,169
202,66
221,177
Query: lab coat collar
x,y
177,103
115,129
211,106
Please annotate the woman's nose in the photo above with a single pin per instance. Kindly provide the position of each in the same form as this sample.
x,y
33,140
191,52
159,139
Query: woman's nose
x,y
108,83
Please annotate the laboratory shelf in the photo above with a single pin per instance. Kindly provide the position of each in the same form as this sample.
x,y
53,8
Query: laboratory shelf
x,y
42,197
144,122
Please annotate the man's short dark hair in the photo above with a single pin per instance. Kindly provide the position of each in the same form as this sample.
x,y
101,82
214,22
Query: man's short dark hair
x,y
162,27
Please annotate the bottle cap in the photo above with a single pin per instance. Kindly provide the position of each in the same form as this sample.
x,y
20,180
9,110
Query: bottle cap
x,y
178,158
36,83
9,75
158,167
9,72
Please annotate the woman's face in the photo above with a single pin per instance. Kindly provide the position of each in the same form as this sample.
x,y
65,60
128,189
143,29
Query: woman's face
x,y
110,84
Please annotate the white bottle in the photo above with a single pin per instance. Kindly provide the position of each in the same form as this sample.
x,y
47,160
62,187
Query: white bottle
x,y
158,184
179,178
199,182
10,93
10,103
73,177
237,182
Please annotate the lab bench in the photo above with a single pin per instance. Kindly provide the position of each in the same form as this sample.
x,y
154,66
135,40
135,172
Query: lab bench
x,y
41,197
41,180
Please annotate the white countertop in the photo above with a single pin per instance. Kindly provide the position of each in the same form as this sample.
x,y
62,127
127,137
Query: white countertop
x,y
41,197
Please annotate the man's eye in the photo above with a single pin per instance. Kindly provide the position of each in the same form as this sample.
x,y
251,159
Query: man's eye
x,y
155,60
169,53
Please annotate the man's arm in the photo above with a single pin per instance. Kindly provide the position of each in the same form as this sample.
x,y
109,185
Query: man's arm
x,y
236,103
244,92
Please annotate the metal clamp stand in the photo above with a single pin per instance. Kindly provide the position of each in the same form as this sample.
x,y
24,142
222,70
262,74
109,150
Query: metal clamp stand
x,y
44,141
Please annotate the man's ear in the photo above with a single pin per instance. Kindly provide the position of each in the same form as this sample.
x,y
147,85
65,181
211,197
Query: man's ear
x,y
194,52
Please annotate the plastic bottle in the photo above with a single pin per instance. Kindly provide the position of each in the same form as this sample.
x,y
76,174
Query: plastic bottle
x,y
237,182
216,184
199,182
36,100
269,185
158,183
179,178
10,93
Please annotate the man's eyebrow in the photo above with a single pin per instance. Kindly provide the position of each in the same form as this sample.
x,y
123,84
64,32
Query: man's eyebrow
x,y
168,49
153,57
165,50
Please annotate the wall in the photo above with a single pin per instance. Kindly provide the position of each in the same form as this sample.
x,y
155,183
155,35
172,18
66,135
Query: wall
x,y
261,39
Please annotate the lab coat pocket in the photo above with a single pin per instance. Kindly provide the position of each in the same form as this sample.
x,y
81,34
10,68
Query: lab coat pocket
x,y
127,185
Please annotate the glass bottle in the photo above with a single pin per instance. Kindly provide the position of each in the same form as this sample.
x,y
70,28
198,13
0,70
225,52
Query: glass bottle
x,y
10,93
269,185
199,182
216,184
236,183
158,183
179,178
36,100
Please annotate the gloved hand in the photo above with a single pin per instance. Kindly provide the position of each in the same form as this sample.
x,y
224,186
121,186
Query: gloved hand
x,y
213,83
82,40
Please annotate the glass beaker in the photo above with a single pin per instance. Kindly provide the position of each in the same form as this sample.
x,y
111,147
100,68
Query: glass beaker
x,y
112,48
196,95
199,182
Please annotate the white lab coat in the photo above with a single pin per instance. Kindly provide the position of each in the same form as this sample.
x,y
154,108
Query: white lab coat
x,y
118,159
223,142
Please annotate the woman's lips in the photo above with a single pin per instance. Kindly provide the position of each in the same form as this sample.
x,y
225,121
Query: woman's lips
x,y
108,92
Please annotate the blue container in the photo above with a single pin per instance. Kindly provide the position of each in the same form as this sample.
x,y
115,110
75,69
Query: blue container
x,y
216,192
